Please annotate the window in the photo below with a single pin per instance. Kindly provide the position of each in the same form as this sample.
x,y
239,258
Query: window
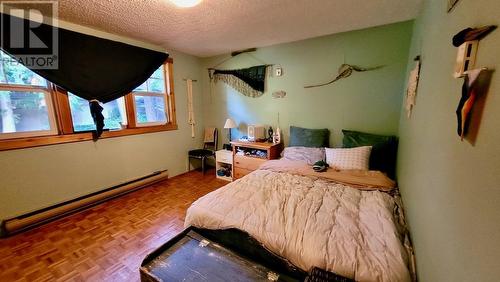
x,y
26,107
150,100
34,112
115,117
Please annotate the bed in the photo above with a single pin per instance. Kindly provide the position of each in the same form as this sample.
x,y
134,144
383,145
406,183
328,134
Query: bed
x,y
353,230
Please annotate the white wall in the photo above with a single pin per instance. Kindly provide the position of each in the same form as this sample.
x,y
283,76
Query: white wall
x,y
34,178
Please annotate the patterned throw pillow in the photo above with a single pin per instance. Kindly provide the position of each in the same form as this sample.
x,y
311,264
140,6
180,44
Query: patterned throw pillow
x,y
352,158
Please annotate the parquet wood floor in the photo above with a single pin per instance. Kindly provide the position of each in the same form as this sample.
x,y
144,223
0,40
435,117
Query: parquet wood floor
x,y
107,242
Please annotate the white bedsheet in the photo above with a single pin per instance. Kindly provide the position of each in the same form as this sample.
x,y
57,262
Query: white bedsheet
x,y
311,222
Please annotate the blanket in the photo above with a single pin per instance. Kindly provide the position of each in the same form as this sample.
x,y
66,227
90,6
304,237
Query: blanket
x,y
360,179
311,222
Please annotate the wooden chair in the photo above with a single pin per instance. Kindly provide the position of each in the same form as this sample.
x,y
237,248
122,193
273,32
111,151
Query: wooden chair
x,y
209,148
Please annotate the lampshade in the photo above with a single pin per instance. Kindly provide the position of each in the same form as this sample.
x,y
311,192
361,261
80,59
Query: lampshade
x,y
230,123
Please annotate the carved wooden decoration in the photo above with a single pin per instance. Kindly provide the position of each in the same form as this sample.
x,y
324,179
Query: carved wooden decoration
x,y
345,70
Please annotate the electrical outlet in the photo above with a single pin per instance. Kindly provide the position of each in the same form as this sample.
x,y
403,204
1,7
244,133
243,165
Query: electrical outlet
x,y
278,71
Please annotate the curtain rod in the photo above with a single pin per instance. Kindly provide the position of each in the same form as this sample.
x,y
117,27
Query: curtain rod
x,y
267,65
236,53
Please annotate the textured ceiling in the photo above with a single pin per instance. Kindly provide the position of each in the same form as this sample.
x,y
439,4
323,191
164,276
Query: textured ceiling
x,y
220,26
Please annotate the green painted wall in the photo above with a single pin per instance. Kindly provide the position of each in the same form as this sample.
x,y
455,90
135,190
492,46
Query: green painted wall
x,y
451,189
367,101
34,178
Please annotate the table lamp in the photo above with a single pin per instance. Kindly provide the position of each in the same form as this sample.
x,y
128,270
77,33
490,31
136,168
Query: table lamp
x,y
229,124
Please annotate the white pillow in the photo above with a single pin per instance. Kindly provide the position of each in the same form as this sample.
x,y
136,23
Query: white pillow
x,y
349,158
307,154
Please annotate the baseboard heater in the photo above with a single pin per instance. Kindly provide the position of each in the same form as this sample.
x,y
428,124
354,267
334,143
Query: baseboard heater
x,y
21,223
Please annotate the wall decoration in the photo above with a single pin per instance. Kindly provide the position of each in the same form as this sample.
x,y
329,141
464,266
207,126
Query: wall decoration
x,y
249,81
345,70
466,58
467,42
451,4
470,34
473,122
474,87
411,92
471,89
279,94
191,121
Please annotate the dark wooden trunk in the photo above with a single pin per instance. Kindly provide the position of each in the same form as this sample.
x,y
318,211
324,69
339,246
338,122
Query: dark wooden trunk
x,y
216,255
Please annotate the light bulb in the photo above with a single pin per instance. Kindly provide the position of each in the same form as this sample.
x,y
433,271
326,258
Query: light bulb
x,y
185,3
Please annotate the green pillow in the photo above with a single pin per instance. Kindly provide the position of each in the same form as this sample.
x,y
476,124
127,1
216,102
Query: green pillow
x,y
384,149
304,137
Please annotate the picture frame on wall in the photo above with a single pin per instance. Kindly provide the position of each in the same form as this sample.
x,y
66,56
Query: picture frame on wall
x,y
451,4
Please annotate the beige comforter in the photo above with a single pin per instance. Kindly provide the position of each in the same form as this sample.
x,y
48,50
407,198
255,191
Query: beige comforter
x,y
311,221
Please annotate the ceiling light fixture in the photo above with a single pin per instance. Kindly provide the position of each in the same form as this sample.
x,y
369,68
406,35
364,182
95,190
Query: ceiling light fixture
x,y
185,3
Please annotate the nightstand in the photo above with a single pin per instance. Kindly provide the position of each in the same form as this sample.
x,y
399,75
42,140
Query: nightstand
x,y
248,156
224,164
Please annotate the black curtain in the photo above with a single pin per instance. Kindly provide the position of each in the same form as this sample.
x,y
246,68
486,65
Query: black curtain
x,y
90,67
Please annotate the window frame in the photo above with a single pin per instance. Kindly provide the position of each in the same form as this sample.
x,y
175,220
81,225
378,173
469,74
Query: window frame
x,y
153,94
118,100
50,111
148,94
63,132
